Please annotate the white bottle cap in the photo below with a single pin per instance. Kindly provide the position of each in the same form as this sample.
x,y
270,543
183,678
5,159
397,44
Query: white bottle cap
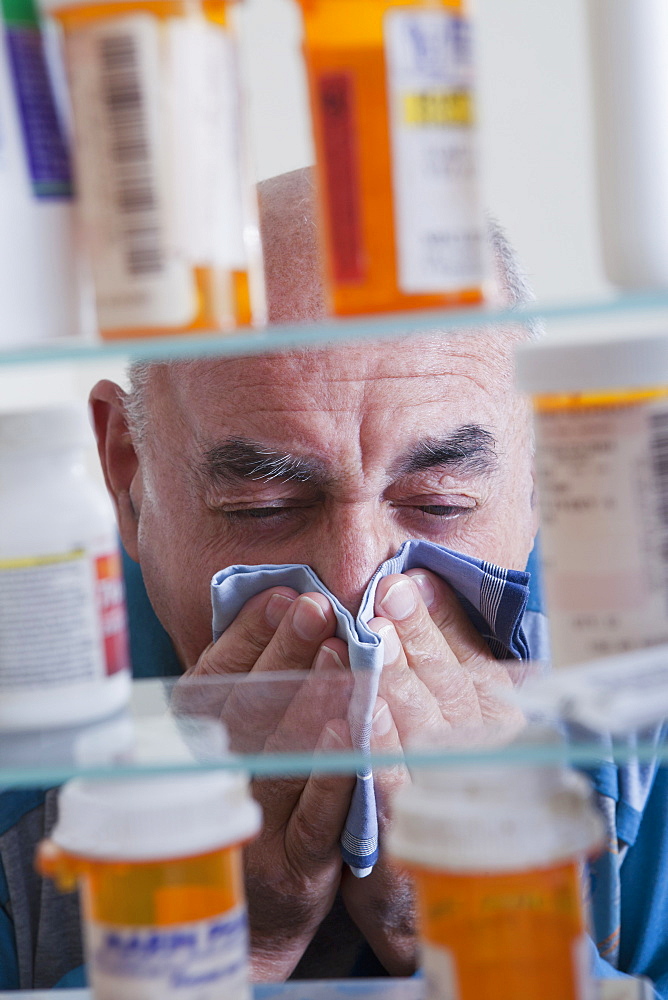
x,y
61,426
149,818
563,365
494,818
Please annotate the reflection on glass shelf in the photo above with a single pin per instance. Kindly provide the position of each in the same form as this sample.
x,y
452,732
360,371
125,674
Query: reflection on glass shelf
x,y
278,337
275,725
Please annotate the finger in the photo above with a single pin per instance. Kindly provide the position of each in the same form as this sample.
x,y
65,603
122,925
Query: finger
x,y
323,695
314,828
279,796
441,644
399,597
242,643
256,706
415,711
491,677
204,688
427,691
446,611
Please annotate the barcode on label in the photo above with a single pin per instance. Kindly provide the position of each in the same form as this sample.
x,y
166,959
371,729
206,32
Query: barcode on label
x,y
132,162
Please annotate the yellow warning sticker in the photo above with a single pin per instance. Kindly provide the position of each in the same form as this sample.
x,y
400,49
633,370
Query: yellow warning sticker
x,y
29,561
454,107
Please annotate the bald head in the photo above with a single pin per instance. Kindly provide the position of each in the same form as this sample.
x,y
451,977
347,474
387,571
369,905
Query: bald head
x,y
289,227
288,223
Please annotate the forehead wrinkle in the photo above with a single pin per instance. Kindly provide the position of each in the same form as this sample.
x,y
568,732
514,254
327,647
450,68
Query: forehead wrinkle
x,y
374,378
225,382
334,363
432,391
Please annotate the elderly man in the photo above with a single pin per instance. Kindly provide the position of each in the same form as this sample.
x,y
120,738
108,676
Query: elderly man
x,y
332,457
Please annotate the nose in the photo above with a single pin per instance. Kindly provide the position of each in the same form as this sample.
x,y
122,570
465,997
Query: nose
x,y
348,547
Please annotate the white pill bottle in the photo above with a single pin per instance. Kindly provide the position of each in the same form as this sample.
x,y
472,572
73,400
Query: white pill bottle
x,y
601,421
63,632
158,863
629,60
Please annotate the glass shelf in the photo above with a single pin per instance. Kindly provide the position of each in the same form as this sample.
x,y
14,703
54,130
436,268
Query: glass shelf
x,y
267,733
281,336
363,989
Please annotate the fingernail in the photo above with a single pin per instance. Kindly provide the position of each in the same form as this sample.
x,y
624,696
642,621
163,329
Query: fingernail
x,y
332,741
424,585
328,659
276,607
382,721
309,619
399,602
391,644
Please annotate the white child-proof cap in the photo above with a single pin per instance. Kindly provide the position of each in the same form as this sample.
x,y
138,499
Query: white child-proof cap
x,y
63,425
605,361
494,818
149,818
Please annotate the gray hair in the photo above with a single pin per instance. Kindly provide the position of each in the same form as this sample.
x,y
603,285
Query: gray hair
x,y
139,374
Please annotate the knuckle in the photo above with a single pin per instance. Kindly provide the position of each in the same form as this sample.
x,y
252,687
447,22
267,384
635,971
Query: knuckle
x,y
444,615
283,652
396,911
274,891
476,661
250,632
314,843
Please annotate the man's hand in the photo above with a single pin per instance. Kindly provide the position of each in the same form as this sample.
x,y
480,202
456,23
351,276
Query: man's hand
x,y
440,686
293,869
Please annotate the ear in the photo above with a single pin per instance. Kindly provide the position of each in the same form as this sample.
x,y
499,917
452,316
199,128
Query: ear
x,y
118,457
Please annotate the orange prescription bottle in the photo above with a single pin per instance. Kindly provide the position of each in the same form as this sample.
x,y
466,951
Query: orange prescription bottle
x,y
496,852
391,85
165,205
158,864
601,419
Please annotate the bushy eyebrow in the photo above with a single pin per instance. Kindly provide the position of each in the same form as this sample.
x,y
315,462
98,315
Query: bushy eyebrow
x,y
469,448
237,460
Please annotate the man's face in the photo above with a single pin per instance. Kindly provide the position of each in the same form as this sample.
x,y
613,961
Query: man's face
x,y
331,458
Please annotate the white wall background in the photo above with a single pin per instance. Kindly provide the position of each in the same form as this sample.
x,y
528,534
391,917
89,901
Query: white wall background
x,y
536,142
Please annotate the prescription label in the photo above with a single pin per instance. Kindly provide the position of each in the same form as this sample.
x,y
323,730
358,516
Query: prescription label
x,y
62,619
603,481
205,153
199,960
117,70
437,217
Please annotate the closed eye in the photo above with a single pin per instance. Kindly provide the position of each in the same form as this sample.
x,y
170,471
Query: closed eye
x,y
444,511
250,513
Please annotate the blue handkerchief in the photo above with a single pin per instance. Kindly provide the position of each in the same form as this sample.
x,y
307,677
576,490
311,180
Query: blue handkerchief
x,y
494,599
